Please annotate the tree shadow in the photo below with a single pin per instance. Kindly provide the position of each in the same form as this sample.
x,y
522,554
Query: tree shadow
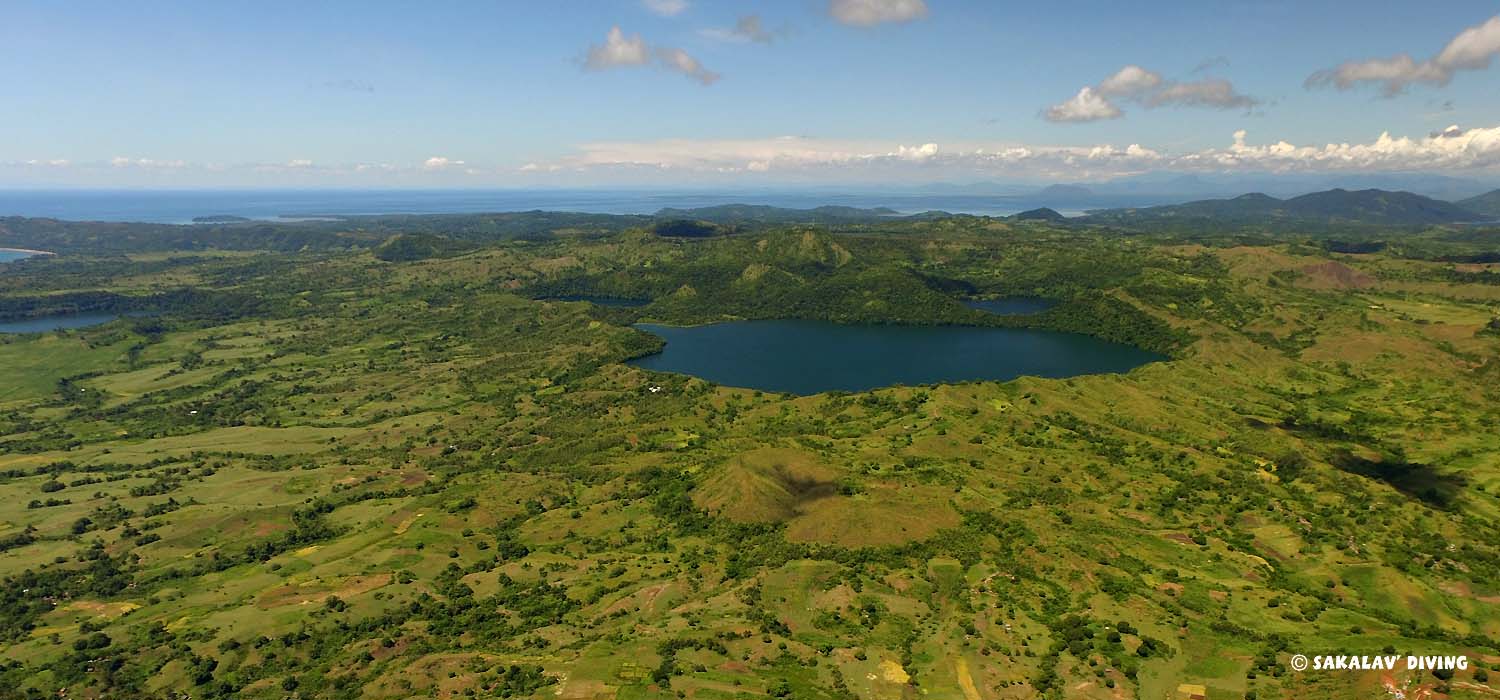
x,y
1420,481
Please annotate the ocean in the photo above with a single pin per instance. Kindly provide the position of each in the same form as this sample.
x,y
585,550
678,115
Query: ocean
x,y
182,206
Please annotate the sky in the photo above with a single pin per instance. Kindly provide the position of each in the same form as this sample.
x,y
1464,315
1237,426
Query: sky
x,y
572,93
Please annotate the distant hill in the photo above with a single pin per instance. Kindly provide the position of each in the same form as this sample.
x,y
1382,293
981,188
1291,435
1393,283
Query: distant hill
x,y
758,213
1064,192
687,228
1336,205
409,247
1487,204
1039,214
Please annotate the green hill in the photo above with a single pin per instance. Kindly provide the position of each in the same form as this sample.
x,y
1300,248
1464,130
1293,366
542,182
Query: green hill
x,y
1337,205
1039,214
1487,204
759,213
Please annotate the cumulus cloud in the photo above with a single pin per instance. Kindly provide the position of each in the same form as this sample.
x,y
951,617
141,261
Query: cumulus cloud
x,y
925,151
1147,88
1455,149
1452,149
1087,106
440,163
1130,81
868,13
666,8
1473,49
747,29
618,50
1214,92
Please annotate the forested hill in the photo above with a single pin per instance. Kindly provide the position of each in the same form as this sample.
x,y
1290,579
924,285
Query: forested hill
x,y
1487,204
1380,207
106,238
352,232
741,213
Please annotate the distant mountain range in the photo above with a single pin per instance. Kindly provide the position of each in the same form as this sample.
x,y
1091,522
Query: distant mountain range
x,y
1371,206
1367,206
1149,189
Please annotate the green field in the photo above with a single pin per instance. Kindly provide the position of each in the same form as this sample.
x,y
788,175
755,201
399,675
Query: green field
x,y
328,474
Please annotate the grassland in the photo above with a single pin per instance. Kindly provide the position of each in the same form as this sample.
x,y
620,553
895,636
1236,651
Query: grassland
x,y
413,479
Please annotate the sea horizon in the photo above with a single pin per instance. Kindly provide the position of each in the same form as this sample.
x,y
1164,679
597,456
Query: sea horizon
x,y
182,206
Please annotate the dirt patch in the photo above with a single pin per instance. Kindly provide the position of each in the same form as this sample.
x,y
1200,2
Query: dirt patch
x,y
585,690
1335,275
413,477
406,523
101,609
893,673
643,599
316,592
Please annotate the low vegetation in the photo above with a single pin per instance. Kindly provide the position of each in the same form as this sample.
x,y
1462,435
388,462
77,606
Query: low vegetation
x,y
372,459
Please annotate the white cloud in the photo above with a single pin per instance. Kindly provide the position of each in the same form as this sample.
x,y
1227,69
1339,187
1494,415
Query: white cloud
x,y
1086,106
1212,92
1473,49
747,29
679,61
1148,88
440,162
925,151
299,163
868,13
1130,80
1453,149
618,50
122,162
666,8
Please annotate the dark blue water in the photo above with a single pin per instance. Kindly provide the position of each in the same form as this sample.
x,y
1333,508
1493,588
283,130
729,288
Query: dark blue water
x,y
52,323
809,357
619,302
1012,306
182,206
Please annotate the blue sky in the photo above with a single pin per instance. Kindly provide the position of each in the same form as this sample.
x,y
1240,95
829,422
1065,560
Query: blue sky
x,y
504,93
